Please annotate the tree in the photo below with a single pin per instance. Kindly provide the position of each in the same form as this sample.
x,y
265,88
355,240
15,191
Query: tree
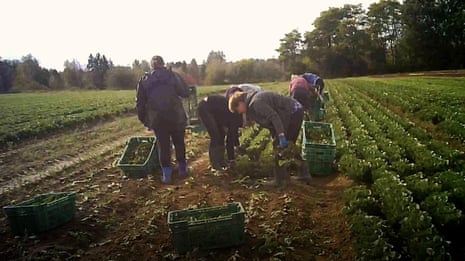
x,y
385,28
193,70
120,77
29,74
97,67
7,74
290,50
55,82
434,34
215,69
73,74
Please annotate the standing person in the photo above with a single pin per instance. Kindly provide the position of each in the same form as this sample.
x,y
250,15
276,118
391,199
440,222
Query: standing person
x,y
280,114
215,116
315,81
159,107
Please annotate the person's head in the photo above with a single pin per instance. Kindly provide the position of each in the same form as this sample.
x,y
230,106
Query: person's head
x,y
293,76
237,103
233,89
157,62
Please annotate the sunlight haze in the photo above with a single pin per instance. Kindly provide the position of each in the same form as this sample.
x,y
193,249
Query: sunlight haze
x,y
55,31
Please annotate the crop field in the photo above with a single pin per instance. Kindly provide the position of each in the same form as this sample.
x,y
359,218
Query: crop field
x,y
398,190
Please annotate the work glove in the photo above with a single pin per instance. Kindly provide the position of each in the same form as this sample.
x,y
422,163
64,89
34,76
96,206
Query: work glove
x,y
282,142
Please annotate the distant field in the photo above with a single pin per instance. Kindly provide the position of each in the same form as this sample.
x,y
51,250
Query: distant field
x,y
26,115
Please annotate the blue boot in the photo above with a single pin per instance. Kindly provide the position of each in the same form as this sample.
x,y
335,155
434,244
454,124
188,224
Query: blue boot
x,y
166,175
183,171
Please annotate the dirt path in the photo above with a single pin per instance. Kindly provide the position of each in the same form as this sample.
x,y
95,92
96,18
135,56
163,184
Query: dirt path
x,y
124,219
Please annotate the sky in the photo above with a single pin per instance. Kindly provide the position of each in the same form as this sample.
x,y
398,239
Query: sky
x,y
57,30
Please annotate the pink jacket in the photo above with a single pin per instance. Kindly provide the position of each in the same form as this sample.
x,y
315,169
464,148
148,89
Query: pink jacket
x,y
298,82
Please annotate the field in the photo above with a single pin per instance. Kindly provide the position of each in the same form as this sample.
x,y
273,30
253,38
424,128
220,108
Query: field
x,y
398,192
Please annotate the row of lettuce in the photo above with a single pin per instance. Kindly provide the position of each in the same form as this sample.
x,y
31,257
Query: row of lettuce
x,y
411,195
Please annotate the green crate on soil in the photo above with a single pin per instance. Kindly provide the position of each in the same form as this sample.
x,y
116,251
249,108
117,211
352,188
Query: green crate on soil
x,y
207,228
319,147
41,213
320,168
139,158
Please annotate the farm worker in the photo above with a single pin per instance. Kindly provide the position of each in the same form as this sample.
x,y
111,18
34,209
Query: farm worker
x,y
215,116
245,87
282,115
315,81
159,107
301,90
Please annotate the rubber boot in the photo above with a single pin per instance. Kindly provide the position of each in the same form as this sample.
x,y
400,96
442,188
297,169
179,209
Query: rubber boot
x,y
166,178
281,178
183,170
303,176
216,155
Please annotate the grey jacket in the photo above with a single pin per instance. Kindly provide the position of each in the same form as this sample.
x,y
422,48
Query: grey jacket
x,y
270,110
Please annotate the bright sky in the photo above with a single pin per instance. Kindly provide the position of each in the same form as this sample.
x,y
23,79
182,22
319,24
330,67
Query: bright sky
x,y
57,30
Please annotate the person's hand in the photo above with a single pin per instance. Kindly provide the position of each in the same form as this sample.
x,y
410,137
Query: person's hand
x,y
282,141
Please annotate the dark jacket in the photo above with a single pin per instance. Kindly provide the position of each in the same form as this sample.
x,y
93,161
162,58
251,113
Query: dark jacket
x,y
217,105
270,110
159,99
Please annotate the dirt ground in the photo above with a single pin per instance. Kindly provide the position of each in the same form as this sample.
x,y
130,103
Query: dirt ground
x,y
125,219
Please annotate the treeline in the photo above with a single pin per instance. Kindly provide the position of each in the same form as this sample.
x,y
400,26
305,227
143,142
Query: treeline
x,y
388,37
100,73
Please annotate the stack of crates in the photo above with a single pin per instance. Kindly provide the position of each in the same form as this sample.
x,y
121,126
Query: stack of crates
x,y
207,228
319,156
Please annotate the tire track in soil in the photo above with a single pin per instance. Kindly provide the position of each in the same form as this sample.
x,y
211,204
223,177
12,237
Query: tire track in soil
x,y
35,176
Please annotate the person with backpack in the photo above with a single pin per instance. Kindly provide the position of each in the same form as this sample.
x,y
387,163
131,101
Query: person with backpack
x,y
282,115
315,81
159,107
215,116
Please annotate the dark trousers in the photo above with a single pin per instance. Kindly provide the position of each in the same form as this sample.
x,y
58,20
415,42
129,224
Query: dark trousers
x,y
214,129
165,134
292,132
303,96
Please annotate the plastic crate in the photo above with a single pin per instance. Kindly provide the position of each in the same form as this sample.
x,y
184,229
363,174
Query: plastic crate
x,y
220,227
139,170
320,168
32,217
320,157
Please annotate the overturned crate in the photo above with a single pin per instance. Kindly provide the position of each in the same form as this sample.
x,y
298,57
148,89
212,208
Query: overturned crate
x,y
42,213
207,228
139,158
319,147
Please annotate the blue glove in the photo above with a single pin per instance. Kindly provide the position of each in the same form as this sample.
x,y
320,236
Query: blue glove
x,y
282,141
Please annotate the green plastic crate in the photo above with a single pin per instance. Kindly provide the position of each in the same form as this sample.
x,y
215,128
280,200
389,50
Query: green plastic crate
x,y
31,217
220,227
320,168
320,157
139,170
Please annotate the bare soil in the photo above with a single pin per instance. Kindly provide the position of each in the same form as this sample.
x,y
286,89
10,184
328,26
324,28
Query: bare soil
x,y
125,219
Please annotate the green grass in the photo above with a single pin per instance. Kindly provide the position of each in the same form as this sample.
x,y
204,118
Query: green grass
x,y
26,115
